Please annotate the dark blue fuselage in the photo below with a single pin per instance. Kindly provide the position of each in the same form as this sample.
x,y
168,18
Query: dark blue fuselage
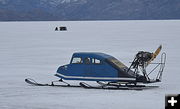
x,y
94,67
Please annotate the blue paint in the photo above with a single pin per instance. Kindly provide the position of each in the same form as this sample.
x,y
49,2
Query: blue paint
x,y
96,68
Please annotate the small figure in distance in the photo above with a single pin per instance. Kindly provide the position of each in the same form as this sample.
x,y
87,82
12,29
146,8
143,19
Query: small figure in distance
x,y
62,28
56,29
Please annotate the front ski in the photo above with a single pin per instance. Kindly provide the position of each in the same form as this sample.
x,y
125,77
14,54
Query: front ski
x,y
33,82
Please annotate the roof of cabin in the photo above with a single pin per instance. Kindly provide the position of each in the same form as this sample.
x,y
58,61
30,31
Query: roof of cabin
x,y
92,55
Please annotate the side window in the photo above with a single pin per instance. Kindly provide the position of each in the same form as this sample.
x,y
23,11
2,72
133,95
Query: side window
x,y
77,60
96,61
87,60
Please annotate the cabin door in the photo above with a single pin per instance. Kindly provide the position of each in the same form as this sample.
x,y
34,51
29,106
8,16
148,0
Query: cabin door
x,y
76,67
87,67
97,68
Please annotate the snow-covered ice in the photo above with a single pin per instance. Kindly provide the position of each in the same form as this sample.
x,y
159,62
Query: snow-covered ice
x,y
35,50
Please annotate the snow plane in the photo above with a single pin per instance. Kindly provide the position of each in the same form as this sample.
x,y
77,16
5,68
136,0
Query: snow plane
x,y
109,72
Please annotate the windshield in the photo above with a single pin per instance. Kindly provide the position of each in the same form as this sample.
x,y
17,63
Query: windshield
x,y
116,63
120,65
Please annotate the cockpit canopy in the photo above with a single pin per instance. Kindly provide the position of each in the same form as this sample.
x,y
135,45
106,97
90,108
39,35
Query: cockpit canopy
x,y
95,58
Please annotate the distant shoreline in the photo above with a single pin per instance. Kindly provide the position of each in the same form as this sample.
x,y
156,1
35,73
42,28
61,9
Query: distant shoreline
x,y
86,20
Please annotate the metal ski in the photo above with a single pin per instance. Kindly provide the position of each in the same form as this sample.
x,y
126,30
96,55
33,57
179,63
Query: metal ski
x,y
33,82
116,87
109,86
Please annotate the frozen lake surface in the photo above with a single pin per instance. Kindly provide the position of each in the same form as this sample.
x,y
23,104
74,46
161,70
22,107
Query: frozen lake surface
x,y
35,50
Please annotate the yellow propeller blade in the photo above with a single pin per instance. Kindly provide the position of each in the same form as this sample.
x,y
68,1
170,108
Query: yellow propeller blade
x,y
155,54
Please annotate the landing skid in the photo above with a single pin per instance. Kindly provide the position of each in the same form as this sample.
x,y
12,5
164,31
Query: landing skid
x,y
116,86
33,82
109,86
